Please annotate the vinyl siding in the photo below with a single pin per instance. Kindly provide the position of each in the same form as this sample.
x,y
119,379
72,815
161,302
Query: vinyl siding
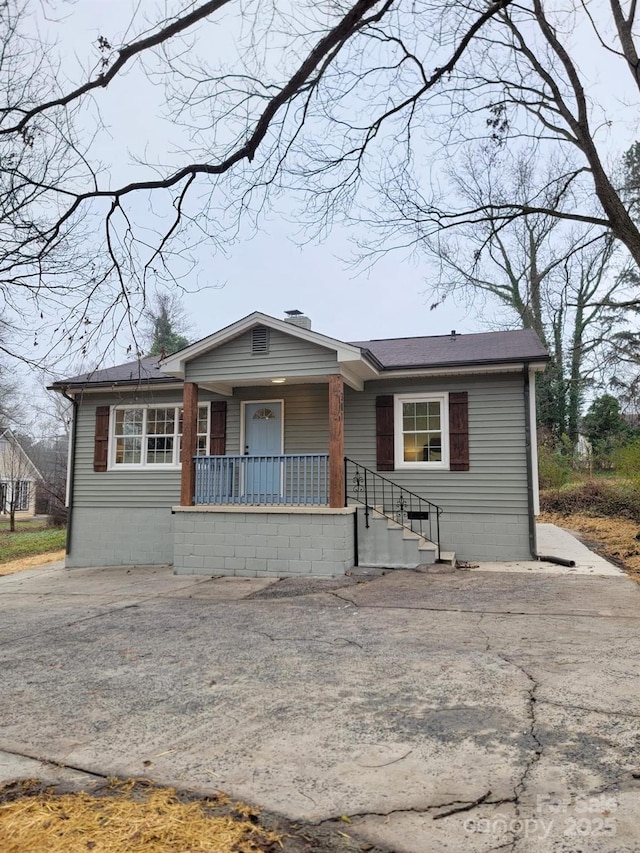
x,y
496,481
306,413
287,356
306,416
122,488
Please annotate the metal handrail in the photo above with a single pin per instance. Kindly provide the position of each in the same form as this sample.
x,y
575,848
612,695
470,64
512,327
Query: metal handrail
x,y
396,503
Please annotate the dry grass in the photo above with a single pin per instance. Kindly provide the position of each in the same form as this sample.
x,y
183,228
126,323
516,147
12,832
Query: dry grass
x,y
128,819
614,538
30,562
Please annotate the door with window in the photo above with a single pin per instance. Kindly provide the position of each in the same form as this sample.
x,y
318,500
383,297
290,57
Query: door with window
x,y
262,442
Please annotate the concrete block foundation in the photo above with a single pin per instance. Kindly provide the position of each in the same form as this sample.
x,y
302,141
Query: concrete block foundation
x,y
105,536
485,536
263,541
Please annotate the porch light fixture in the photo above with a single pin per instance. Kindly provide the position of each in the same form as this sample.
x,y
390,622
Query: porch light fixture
x,y
278,381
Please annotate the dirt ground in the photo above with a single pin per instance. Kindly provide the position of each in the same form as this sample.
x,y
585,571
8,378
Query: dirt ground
x,y
30,562
616,539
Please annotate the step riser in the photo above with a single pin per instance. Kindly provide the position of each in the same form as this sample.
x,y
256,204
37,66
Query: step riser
x,y
385,545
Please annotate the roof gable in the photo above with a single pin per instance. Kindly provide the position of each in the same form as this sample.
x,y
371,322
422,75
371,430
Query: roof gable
x,y
175,364
21,473
238,362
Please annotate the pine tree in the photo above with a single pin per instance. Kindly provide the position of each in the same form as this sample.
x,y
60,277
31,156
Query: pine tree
x,y
167,323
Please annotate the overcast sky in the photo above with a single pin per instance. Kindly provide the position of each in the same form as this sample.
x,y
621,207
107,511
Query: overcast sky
x,y
270,271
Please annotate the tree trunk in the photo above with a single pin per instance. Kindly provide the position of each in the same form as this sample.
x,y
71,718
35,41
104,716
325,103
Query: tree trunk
x,y
535,285
575,377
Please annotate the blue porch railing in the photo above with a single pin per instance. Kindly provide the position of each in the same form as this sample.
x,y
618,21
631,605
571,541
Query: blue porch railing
x,y
292,478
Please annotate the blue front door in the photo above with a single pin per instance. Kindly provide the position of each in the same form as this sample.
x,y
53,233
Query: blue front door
x,y
263,439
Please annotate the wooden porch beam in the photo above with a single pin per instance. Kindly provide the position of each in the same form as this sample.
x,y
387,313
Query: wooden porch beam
x,y
189,442
336,440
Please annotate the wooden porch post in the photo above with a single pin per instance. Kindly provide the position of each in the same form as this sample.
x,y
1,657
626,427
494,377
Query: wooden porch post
x,y
189,442
336,440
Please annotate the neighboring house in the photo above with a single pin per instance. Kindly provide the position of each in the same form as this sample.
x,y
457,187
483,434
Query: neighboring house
x,y
18,478
250,451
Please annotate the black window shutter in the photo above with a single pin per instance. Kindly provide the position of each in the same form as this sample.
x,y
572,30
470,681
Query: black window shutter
x,y
458,431
101,440
218,437
384,433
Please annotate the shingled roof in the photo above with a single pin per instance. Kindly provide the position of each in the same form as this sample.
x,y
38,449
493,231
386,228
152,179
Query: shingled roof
x,y
386,354
144,371
446,350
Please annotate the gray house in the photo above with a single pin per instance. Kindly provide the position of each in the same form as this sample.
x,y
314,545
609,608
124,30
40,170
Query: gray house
x,y
269,449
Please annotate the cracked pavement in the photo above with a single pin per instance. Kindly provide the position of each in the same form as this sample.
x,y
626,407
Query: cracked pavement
x,y
472,711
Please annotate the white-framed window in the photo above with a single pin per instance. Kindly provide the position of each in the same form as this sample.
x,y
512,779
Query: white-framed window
x,y
202,437
151,436
17,493
23,494
421,431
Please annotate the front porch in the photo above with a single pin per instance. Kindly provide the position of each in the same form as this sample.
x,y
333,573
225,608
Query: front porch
x,y
261,513
263,467
259,476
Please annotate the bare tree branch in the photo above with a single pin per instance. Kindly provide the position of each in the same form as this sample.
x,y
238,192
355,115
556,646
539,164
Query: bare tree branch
x,y
124,56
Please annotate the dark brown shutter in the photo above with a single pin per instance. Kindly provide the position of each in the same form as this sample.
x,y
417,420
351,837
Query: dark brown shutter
x,y
218,438
101,441
458,431
384,433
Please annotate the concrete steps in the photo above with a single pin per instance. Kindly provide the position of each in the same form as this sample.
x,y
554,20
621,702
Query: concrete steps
x,y
387,544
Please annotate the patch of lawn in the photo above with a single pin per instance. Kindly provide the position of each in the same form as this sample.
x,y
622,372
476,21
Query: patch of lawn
x,y
29,540
579,478
21,524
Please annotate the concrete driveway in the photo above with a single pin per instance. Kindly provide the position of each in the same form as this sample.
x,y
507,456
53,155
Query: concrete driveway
x,y
464,712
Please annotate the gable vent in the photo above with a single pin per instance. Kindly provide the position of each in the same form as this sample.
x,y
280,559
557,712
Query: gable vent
x,y
260,339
